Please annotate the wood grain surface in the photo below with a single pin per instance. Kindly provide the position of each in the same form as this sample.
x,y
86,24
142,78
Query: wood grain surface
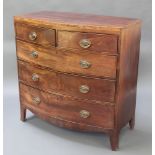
x,y
68,108
100,89
45,37
77,22
63,61
99,42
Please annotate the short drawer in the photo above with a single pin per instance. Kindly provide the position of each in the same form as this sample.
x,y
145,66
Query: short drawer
x,y
66,108
88,41
75,86
84,64
42,36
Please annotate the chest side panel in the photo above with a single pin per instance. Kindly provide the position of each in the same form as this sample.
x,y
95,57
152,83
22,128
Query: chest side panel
x,y
127,74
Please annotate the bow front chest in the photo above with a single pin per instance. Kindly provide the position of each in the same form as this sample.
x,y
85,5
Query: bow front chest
x,y
78,71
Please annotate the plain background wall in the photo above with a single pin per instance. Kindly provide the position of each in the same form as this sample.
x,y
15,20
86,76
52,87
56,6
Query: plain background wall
x,y
12,127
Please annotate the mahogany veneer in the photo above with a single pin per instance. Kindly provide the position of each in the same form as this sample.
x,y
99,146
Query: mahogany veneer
x,y
79,71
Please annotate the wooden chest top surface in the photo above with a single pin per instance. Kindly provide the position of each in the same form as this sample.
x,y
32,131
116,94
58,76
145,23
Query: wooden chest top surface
x,y
77,19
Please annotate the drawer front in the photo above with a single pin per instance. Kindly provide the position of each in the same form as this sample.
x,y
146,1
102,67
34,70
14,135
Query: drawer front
x,y
68,108
63,61
88,41
42,36
76,86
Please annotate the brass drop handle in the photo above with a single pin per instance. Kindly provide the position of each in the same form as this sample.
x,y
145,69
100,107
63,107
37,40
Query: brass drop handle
x,y
85,64
84,113
34,54
85,43
84,89
35,77
32,36
36,100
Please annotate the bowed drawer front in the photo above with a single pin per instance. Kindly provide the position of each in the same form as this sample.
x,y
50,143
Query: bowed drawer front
x,y
78,71
78,87
88,41
64,61
67,108
37,35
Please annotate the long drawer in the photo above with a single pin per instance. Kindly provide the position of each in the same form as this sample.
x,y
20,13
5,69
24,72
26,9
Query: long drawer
x,y
96,65
75,86
67,108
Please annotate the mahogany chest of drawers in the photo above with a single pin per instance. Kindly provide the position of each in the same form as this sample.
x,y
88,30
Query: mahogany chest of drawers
x,y
78,71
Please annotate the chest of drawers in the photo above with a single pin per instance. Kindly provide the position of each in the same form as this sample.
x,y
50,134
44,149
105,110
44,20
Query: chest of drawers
x,y
78,71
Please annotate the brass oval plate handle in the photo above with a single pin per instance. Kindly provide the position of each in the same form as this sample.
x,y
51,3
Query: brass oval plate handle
x,y
32,36
84,89
36,100
35,77
85,64
85,43
34,54
84,113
